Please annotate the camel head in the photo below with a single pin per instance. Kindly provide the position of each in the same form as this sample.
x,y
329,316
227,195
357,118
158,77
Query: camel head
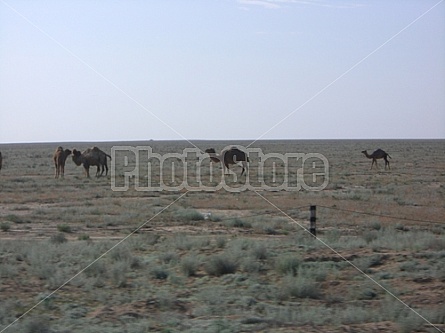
x,y
67,152
77,157
213,156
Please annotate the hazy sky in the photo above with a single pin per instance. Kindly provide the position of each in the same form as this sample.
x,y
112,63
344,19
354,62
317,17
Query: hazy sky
x,y
73,70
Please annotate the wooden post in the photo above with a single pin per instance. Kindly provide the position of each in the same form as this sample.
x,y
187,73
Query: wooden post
x,y
313,219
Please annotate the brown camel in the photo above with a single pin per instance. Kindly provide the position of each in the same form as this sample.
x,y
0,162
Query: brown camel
x,y
229,156
59,158
92,157
378,154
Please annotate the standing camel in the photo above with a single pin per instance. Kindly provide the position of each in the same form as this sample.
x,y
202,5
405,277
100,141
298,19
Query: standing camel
x,y
229,157
378,154
92,157
59,158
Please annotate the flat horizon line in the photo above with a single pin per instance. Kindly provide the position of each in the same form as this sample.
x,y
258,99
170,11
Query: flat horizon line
x,y
216,140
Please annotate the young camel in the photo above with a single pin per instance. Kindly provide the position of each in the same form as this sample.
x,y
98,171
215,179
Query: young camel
x,y
92,157
229,156
378,154
59,158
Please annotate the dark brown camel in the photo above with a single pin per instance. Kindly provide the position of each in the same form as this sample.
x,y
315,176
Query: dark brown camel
x,y
378,154
229,156
59,158
92,157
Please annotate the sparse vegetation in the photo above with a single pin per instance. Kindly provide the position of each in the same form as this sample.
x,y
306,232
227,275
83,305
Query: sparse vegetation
x,y
5,226
64,228
210,263
218,265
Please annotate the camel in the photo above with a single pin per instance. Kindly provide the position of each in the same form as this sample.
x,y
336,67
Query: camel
x,y
230,156
377,155
92,157
59,158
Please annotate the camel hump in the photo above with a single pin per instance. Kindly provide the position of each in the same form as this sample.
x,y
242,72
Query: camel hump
x,y
380,152
234,149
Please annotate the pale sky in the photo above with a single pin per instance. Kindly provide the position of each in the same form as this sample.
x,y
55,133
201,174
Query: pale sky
x,y
92,70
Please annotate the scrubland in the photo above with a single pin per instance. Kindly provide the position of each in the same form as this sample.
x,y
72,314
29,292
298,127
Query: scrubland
x,y
78,256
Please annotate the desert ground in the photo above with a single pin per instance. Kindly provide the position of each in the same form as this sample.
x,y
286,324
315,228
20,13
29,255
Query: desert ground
x,y
157,246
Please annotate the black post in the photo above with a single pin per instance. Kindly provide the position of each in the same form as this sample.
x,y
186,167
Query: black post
x,y
313,219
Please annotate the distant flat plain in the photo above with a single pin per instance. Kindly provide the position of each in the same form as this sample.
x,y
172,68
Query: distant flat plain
x,y
225,261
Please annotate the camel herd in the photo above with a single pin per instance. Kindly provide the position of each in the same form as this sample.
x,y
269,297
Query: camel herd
x,y
98,158
90,157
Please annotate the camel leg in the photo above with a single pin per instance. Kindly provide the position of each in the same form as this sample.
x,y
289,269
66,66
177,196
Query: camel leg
x,y
103,170
224,169
87,171
245,167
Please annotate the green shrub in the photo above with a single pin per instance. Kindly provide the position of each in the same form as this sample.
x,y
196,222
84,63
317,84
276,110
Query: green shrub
x,y
37,325
14,218
168,257
260,252
221,264
5,226
370,236
83,237
58,238
269,230
221,242
189,265
64,228
183,242
97,270
288,265
364,263
375,225
238,223
159,273
300,287
119,274
189,215
250,265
